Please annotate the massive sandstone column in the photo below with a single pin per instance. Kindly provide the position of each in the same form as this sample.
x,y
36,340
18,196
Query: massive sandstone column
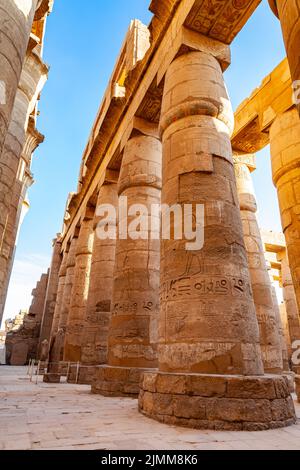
x,y
16,19
33,78
289,299
132,343
98,311
51,295
285,151
76,316
288,11
210,365
270,340
68,286
60,293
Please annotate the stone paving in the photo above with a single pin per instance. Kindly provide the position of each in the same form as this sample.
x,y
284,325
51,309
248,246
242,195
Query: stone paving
x,y
67,416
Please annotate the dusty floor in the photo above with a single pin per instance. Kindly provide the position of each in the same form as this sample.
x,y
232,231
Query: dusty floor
x,y
68,417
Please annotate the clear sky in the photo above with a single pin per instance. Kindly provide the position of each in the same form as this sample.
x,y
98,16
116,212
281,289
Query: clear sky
x,y
83,40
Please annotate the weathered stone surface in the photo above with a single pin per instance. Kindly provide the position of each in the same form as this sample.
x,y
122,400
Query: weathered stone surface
x,y
203,294
297,380
98,311
235,402
51,294
285,148
80,288
270,339
117,381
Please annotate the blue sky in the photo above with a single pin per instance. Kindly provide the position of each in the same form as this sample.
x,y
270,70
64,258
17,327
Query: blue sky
x,y
83,40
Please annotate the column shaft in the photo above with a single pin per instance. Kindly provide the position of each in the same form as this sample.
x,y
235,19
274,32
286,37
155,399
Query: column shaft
x,y
51,295
77,311
132,343
285,151
98,312
209,335
15,26
268,320
290,300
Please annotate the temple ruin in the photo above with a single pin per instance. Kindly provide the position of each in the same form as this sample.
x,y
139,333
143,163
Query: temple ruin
x,y
199,337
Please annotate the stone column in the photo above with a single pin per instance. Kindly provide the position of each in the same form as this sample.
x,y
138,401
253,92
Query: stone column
x,y
98,312
56,343
51,295
33,78
76,317
60,292
69,282
285,151
210,365
270,340
288,11
16,19
289,298
132,343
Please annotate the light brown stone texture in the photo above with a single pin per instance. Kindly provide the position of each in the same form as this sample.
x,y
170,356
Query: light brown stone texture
x,y
208,326
289,299
15,25
207,320
60,293
285,149
98,311
267,315
132,339
298,387
51,294
79,294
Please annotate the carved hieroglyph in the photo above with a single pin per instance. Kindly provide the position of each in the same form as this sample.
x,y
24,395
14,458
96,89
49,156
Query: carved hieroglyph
x,y
207,321
133,329
210,363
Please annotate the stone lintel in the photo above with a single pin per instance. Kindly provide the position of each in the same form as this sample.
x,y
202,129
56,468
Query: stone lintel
x,y
273,241
238,403
190,40
256,114
139,126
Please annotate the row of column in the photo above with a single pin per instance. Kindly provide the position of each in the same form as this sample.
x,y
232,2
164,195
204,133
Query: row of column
x,y
193,332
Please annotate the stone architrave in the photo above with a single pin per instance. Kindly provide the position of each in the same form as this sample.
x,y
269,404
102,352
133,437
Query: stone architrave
x,y
210,365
